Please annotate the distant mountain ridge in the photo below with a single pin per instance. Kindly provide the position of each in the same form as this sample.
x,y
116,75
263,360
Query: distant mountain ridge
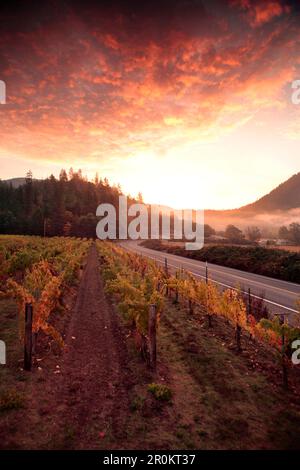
x,y
16,182
285,197
279,207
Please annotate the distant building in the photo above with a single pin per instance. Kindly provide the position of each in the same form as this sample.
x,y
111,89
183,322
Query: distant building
x,y
284,242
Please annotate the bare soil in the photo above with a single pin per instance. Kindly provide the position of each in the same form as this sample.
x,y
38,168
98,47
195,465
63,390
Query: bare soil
x,y
78,398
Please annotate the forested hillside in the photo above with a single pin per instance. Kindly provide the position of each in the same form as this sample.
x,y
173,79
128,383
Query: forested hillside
x,y
64,206
278,207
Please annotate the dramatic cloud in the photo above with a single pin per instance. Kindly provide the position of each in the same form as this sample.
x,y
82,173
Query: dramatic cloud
x,y
97,86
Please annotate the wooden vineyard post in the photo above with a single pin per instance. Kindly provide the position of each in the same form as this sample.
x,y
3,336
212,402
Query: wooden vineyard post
x,y
152,336
167,275
28,337
207,293
238,337
249,309
249,302
166,267
180,272
283,355
176,290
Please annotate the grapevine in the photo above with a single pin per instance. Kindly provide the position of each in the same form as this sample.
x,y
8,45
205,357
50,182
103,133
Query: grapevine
x,y
136,282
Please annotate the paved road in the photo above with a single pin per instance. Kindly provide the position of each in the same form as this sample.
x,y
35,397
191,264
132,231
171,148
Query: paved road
x,y
280,296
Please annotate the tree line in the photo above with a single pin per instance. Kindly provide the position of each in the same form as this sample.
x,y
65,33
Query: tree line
x,y
55,207
253,234
67,206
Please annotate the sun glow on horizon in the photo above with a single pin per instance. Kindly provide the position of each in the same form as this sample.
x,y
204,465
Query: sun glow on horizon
x,y
190,115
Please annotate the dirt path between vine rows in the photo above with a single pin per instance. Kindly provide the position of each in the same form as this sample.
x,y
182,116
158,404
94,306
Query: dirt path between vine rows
x,y
86,401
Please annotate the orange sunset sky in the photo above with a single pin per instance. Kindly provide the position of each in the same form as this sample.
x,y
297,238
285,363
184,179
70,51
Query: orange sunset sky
x,y
187,101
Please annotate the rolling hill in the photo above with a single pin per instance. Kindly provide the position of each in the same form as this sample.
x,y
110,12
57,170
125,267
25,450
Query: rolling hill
x,y
280,206
285,197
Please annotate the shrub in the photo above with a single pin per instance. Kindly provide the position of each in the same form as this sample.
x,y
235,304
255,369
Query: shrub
x,y
22,260
160,392
274,263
